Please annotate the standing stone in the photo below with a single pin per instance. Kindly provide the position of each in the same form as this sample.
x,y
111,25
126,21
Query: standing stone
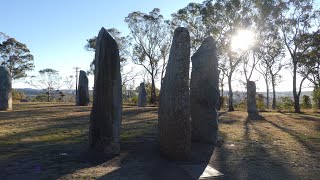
x,y
174,105
204,93
142,97
251,101
5,89
83,90
105,118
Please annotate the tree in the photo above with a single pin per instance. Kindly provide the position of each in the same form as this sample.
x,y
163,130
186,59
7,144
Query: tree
x,y
297,19
18,95
310,62
150,42
48,80
69,82
16,57
270,46
191,17
306,102
222,19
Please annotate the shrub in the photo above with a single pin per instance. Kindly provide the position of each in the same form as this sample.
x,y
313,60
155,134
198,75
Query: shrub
x,y
40,98
286,103
241,104
260,102
223,102
17,95
306,102
316,98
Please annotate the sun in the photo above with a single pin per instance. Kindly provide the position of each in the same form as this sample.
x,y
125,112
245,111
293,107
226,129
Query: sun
x,y
242,40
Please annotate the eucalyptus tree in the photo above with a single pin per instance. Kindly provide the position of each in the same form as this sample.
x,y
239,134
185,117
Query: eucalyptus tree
x,y
297,18
150,39
223,19
16,57
269,45
191,17
310,62
48,80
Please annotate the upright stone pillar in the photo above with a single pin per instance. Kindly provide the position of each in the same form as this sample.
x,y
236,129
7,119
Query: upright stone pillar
x,y
5,89
204,92
142,97
105,118
174,105
83,90
251,101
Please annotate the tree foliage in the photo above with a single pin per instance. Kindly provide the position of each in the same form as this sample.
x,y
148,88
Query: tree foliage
x,y
123,45
16,57
297,19
150,39
48,80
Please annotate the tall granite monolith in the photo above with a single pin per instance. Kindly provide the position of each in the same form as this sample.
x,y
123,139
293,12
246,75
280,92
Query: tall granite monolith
x,y
105,118
83,90
5,89
251,101
174,106
142,96
204,93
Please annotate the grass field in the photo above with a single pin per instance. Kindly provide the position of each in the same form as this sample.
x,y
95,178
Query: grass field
x,y
49,141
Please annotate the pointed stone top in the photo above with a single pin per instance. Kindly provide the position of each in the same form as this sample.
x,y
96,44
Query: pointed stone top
x,y
104,34
209,44
181,31
102,31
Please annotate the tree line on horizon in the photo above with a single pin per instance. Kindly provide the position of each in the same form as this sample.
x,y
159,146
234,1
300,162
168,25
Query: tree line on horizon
x,y
287,35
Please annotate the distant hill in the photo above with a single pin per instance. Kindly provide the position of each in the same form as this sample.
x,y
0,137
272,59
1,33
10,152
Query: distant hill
x,y
240,95
29,92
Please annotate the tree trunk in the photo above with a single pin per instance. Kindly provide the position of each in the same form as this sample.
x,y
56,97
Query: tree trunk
x,y
153,91
231,108
274,102
48,99
267,86
295,94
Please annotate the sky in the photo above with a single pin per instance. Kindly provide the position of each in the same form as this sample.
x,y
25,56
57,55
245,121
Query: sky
x,y
55,31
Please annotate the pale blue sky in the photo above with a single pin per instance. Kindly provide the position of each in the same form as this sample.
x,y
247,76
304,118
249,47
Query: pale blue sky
x,y
56,30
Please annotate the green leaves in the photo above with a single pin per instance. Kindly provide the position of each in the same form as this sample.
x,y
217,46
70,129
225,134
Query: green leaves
x,y
16,57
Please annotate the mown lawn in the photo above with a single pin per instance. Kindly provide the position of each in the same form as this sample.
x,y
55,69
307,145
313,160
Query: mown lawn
x,y
49,141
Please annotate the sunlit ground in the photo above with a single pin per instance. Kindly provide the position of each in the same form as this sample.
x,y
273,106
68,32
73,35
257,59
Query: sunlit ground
x,y
49,141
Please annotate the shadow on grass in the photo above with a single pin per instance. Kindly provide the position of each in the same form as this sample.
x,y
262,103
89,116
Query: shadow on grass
x,y
257,162
248,159
296,135
44,152
59,148
143,159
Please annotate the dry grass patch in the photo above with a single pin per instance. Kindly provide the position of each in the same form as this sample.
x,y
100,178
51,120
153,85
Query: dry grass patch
x,y
282,146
